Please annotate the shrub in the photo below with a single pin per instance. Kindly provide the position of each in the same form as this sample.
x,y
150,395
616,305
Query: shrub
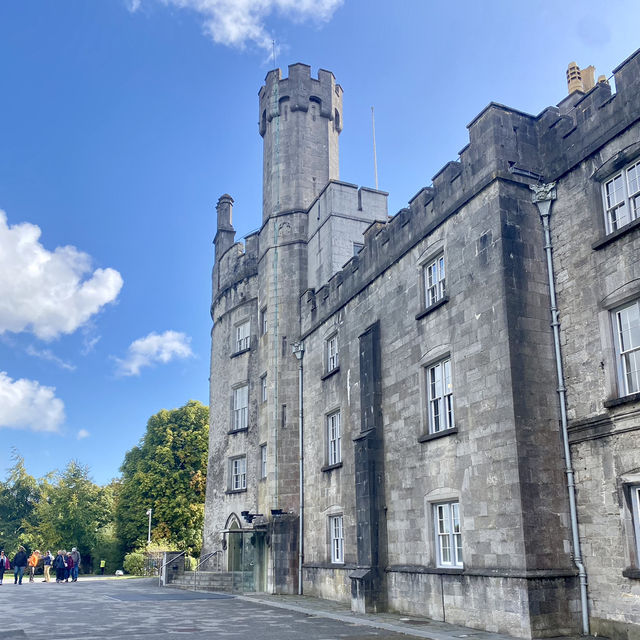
x,y
134,564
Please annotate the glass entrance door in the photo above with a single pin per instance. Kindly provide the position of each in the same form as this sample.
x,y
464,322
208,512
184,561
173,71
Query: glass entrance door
x,y
246,558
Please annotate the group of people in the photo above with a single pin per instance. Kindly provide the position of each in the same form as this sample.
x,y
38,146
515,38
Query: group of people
x,y
65,564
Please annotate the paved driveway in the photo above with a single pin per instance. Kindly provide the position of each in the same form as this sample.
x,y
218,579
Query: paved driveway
x,y
139,610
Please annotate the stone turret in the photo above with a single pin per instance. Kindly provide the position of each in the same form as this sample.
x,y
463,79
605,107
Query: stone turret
x,y
300,120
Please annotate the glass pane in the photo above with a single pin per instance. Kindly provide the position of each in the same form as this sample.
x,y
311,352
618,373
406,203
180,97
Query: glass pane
x,y
633,175
615,191
619,216
632,369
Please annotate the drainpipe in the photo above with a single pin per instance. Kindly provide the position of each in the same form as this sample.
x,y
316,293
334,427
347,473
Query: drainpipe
x,y
298,350
543,196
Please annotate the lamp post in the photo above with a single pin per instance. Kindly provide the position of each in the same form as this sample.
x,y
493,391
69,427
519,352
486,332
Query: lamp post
x,y
149,512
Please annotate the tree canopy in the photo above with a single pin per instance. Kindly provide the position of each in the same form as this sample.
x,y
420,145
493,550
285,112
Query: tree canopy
x,y
166,472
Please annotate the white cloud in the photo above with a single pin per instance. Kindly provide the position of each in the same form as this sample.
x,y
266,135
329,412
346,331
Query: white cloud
x,y
25,404
48,292
152,349
236,22
47,354
83,433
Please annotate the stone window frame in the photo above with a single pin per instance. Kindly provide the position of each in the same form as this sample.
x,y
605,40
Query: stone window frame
x,y
336,542
629,491
450,509
264,324
236,472
437,355
625,388
619,298
263,388
331,355
242,341
263,461
445,420
629,196
237,423
435,254
333,422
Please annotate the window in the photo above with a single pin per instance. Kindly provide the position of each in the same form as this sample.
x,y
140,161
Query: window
x,y
263,461
357,248
243,336
440,396
241,407
635,502
621,196
333,439
337,539
238,473
627,343
446,518
332,353
263,321
263,388
433,275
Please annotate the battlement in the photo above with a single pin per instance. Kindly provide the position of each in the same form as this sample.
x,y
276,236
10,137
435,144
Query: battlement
x,y
504,143
298,91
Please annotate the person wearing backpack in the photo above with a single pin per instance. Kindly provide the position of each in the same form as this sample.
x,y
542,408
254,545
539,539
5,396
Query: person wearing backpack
x,y
59,565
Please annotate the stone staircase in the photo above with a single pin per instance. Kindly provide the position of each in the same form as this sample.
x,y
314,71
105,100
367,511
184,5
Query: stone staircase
x,y
205,581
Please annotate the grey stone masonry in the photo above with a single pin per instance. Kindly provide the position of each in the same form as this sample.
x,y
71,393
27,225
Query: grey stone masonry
x,y
435,480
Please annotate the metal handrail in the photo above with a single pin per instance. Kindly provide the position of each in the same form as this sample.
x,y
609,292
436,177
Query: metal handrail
x,y
167,563
202,561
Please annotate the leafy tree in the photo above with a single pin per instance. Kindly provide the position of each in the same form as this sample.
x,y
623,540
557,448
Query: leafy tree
x,y
19,496
166,472
70,511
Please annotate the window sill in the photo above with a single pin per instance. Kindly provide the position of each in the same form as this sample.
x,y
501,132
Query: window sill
x,y
239,353
232,491
616,402
426,437
330,373
631,573
331,467
433,307
233,431
612,237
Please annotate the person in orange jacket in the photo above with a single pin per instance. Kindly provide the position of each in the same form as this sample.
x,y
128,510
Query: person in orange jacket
x,y
33,563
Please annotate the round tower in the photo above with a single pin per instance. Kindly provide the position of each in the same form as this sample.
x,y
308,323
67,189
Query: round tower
x,y
300,120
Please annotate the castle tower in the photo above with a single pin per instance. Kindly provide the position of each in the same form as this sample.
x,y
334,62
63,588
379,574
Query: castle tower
x,y
300,120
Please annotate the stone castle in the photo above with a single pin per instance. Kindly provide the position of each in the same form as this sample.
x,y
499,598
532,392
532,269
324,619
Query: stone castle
x,y
437,412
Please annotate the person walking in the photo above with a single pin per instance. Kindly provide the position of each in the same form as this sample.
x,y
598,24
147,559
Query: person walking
x,y
19,565
70,565
75,555
33,563
103,564
4,565
58,565
48,559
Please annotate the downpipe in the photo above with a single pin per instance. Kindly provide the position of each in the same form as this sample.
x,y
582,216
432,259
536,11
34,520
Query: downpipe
x,y
298,350
543,196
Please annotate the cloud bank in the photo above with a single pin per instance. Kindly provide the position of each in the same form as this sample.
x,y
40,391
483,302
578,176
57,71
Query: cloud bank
x,y
235,22
25,404
48,292
152,349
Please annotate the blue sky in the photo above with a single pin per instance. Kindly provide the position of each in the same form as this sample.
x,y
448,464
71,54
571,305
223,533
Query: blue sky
x,y
123,121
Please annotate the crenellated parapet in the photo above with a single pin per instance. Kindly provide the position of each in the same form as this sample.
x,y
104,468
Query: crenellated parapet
x,y
299,90
234,261
504,144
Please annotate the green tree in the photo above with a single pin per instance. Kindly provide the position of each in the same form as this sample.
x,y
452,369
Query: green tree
x,y
167,473
70,511
19,496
